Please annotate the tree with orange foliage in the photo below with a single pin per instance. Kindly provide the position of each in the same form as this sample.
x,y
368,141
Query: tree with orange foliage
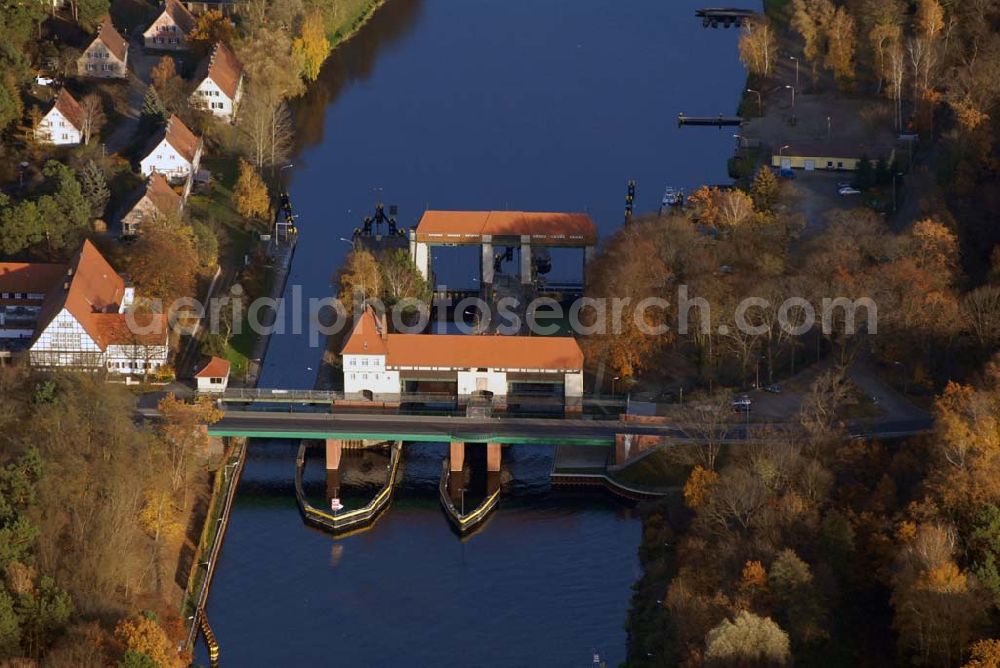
x,y
984,654
183,428
141,635
699,486
212,27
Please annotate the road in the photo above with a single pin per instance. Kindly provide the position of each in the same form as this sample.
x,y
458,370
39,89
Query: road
x,y
547,431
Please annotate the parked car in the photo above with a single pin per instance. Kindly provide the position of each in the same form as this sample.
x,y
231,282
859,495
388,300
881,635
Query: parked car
x,y
773,389
786,173
844,192
741,401
44,81
845,184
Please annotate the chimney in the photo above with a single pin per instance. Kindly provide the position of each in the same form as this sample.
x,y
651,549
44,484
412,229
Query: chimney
x,y
382,329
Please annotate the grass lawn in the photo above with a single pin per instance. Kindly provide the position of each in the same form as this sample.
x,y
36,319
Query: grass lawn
x,y
655,470
215,209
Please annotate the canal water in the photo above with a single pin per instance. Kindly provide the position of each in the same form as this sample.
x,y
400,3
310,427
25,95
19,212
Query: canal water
x,y
467,104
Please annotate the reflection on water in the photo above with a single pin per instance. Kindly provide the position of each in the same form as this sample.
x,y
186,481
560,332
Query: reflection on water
x,y
544,583
352,62
470,104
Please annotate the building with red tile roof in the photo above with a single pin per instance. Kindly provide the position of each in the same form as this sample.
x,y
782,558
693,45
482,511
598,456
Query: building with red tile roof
x,y
106,56
378,363
156,200
87,321
174,152
219,86
62,124
213,376
169,30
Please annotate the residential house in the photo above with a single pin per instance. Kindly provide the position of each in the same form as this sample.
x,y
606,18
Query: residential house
x,y
379,366
219,85
63,123
828,156
23,286
174,152
85,322
107,56
214,376
157,199
170,29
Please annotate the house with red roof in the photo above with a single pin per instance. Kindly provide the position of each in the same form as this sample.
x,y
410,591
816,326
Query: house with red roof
x,y
156,200
86,319
174,152
379,365
219,83
62,124
107,56
213,378
170,29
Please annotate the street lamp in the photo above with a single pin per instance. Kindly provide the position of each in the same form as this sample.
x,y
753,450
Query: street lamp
x,y
760,102
613,385
792,88
796,70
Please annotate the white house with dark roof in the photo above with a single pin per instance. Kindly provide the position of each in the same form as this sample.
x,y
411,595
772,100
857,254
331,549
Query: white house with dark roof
x,y
107,56
170,29
219,86
63,123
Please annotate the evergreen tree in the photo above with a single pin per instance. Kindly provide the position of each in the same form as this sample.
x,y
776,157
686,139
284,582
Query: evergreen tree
x,y
154,114
764,190
866,174
95,188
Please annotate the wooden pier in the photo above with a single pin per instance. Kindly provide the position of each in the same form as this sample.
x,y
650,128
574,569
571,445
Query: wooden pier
x,y
719,121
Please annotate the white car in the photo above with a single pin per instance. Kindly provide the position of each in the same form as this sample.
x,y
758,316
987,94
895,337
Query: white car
x,y
848,190
44,81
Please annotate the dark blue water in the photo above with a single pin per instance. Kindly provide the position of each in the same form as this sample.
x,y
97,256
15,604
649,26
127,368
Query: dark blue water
x,y
478,104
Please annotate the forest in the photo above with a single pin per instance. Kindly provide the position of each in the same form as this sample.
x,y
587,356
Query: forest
x,y
806,546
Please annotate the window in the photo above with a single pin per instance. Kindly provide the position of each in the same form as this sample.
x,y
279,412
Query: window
x,y
829,163
840,165
215,381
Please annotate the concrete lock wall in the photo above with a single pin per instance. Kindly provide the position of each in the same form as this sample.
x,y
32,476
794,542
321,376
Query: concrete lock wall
x,y
493,456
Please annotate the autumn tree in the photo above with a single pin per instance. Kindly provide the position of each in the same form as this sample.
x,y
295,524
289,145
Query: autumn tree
x,y
183,428
841,43
311,48
984,654
401,279
747,640
170,87
250,195
93,118
810,19
142,636
884,20
359,277
163,261
937,605
758,47
981,315
212,27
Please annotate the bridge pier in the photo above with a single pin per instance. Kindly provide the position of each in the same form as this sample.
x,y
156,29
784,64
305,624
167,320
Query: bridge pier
x,y
334,449
332,484
493,454
457,456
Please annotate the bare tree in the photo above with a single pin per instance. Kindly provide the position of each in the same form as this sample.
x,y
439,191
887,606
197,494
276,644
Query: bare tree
x,y
981,312
267,128
93,116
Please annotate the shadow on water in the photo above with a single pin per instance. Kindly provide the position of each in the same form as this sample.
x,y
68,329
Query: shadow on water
x,y
351,62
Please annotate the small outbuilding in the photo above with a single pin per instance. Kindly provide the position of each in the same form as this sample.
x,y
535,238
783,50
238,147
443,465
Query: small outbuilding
x,y
828,156
214,376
